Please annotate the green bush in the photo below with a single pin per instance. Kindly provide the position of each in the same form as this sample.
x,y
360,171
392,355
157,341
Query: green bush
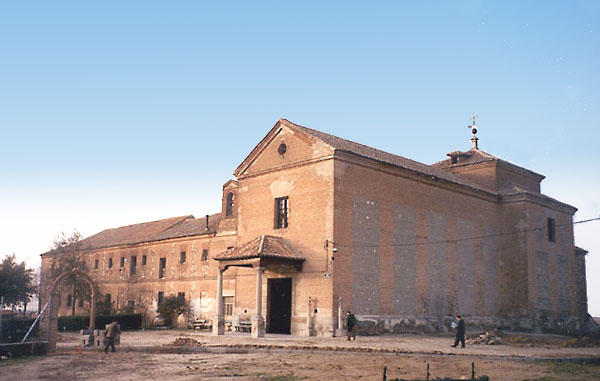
x,y
76,323
14,330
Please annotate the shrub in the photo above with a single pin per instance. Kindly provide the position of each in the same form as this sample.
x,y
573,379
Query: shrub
x,y
76,323
14,330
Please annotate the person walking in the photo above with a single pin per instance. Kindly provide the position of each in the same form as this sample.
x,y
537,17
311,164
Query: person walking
x,y
351,326
460,332
110,333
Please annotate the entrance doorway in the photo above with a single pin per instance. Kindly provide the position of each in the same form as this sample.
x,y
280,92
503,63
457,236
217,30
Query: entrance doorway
x,y
279,305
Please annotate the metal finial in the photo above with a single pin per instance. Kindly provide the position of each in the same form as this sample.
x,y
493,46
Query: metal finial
x,y
473,127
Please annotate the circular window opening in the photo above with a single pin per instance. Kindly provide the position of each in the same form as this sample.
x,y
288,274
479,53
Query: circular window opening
x,y
282,148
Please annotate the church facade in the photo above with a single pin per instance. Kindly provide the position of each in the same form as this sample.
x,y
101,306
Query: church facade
x,y
314,224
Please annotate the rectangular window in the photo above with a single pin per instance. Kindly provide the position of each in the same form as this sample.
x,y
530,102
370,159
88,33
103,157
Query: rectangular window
x,y
161,297
96,264
122,262
181,296
204,255
182,257
132,265
551,230
228,304
143,260
110,263
281,212
162,265
69,297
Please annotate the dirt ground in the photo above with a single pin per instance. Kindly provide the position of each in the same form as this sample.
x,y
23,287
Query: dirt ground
x,y
150,355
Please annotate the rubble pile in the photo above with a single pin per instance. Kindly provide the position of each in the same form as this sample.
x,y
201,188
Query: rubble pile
x,y
487,338
185,342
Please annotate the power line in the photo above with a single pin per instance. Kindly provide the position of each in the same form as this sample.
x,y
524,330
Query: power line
x,y
466,239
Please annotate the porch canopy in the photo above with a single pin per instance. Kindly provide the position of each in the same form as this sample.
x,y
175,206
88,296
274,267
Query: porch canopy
x,y
261,252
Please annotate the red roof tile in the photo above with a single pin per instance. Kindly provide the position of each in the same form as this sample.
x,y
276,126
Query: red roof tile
x,y
261,247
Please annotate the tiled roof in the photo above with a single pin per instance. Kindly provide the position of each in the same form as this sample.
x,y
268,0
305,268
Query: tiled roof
x,y
261,247
344,145
174,227
191,227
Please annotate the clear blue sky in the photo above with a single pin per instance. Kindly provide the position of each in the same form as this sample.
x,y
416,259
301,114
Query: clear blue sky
x,y
115,112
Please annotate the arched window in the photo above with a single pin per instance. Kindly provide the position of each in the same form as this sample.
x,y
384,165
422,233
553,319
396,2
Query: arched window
x,y
229,206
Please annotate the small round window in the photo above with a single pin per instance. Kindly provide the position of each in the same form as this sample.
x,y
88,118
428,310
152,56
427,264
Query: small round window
x,y
282,148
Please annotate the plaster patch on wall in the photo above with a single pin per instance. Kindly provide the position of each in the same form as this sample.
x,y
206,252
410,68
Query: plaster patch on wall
x,y
405,271
282,188
365,258
320,148
437,263
543,280
564,289
490,270
324,169
466,268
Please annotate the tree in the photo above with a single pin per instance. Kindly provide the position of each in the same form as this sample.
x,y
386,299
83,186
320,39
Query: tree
x,y
67,256
16,282
170,308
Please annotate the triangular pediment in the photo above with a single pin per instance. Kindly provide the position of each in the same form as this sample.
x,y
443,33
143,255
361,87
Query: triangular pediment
x,y
284,145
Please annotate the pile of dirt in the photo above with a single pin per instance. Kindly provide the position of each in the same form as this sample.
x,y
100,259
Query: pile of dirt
x,y
185,342
487,338
583,342
561,342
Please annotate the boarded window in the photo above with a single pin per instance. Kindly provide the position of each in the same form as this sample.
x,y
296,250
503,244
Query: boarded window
x,y
144,260
204,255
182,257
122,262
96,264
132,265
551,230
162,265
281,212
110,263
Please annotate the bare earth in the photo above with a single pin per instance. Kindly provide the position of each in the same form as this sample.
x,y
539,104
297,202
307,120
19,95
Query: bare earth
x,y
201,356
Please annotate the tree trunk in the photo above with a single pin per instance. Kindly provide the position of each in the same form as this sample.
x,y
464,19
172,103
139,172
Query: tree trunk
x,y
74,297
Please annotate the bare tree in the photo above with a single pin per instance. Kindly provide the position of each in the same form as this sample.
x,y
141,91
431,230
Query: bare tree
x,y
68,256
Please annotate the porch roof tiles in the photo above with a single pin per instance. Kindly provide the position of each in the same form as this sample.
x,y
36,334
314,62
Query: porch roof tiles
x,y
261,247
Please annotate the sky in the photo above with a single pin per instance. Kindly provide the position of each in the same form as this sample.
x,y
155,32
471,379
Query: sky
x,y
120,112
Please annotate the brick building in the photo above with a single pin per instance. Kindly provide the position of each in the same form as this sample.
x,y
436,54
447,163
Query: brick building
x,y
314,222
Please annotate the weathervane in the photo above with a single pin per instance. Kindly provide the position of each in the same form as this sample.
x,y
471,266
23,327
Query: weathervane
x,y
473,128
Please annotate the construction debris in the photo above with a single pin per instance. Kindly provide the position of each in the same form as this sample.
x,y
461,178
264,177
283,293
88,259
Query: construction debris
x,y
185,342
488,338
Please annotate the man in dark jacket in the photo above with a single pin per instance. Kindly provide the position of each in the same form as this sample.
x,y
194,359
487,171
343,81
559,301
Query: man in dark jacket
x,y
460,332
111,332
351,327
